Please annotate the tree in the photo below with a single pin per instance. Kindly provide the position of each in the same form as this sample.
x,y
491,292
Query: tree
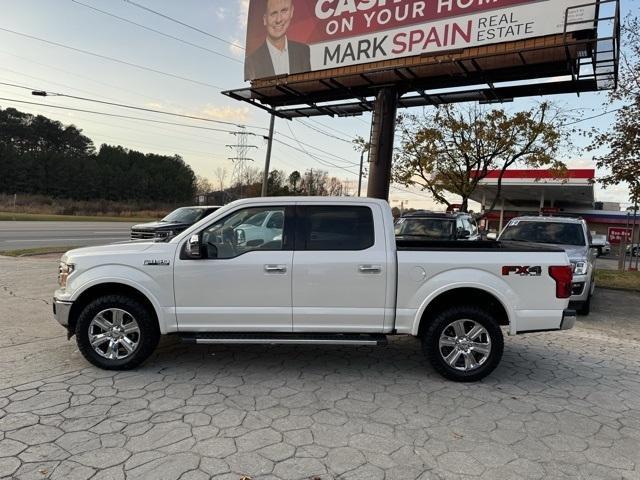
x,y
452,148
203,185
335,188
314,183
622,141
277,184
221,175
294,179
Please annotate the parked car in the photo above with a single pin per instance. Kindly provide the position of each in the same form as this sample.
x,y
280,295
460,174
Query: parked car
x,y
570,234
601,243
172,224
423,225
633,250
336,276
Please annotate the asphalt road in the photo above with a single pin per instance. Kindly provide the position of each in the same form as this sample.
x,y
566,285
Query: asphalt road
x,y
19,235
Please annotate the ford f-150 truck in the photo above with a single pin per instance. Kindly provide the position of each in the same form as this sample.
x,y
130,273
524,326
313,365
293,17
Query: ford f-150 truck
x,y
334,275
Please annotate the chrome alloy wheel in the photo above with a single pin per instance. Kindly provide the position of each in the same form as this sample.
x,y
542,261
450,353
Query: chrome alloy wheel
x,y
114,334
465,345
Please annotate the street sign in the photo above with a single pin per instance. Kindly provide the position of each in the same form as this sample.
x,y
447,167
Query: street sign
x,y
618,235
550,210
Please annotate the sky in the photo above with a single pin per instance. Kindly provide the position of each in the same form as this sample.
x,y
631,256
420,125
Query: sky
x,y
207,68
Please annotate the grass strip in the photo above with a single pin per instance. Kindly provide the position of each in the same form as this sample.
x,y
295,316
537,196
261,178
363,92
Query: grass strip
x,y
29,252
38,217
618,280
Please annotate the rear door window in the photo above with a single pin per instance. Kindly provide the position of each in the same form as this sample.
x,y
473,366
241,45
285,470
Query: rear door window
x,y
336,228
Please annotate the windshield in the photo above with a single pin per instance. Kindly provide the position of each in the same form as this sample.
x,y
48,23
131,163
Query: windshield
x,y
429,228
544,232
184,215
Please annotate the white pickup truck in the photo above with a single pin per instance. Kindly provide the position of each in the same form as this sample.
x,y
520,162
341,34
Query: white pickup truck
x,y
334,274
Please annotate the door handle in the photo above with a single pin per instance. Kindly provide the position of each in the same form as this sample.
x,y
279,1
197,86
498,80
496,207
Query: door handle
x,y
370,269
275,268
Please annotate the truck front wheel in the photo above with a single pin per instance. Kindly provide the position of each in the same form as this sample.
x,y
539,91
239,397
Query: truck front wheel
x,y
116,332
463,343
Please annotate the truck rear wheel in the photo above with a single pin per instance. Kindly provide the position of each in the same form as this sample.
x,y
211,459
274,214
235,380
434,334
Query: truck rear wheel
x,y
463,343
116,332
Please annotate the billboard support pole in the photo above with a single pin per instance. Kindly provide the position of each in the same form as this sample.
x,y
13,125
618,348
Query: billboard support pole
x,y
267,160
381,143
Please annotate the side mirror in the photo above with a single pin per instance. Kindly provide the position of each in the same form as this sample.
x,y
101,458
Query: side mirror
x,y
240,237
464,234
192,247
492,236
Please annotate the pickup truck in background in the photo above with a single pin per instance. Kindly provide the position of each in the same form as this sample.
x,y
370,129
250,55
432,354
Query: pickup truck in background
x,y
569,234
171,225
334,274
424,225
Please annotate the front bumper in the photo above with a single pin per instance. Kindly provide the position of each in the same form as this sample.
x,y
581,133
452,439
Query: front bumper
x,y
568,319
580,288
61,310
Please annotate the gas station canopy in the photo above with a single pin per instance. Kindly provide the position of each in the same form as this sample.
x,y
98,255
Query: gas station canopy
x,y
539,188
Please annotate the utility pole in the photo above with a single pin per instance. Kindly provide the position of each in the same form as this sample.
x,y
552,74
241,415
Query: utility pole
x,y
633,235
360,176
267,160
241,159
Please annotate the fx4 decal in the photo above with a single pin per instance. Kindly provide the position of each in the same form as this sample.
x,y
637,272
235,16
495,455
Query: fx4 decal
x,y
522,271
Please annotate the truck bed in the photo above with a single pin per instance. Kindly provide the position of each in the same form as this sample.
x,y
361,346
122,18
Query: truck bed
x,y
460,245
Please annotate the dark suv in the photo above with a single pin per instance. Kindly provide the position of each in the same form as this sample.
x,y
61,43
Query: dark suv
x,y
172,224
422,225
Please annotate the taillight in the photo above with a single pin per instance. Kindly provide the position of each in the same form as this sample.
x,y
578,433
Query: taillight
x,y
563,275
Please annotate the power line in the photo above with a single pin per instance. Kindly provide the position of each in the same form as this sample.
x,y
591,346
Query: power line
x,y
323,132
178,39
190,117
74,74
315,148
105,57
22,74
318,159
171,19
121,116
594,116
313,120
122,105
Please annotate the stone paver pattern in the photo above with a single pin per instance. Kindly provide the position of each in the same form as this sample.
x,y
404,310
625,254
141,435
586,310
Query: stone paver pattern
x,y
562,405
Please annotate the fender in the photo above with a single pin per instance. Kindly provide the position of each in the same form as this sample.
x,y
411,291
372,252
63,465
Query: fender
x,y
157,288
477,279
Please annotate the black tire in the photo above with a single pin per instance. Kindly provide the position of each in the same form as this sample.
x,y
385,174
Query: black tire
x,y
431,339
584,308
148,338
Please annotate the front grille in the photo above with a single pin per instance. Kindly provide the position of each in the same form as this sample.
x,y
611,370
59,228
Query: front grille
x,y
142,235
577,288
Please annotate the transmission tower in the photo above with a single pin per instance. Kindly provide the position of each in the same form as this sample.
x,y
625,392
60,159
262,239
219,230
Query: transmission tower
x,y
241,159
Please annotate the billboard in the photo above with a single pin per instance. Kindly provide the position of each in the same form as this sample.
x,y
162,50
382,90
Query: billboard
x,y
297,36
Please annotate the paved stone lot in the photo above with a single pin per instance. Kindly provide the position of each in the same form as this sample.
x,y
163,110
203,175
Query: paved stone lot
x,y
561,405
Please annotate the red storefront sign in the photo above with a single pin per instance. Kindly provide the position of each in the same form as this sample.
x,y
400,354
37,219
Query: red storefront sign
x,y
619,235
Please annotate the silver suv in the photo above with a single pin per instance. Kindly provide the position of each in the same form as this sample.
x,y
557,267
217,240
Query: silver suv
x,y
570,234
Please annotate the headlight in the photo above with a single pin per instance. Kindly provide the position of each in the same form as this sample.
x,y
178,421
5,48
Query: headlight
x,y
580,268
163,235
64,270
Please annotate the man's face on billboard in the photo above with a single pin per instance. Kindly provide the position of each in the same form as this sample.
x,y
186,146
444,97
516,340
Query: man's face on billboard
x,y
277,18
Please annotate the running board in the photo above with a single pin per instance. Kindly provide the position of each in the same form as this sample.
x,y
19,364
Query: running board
x,y
285,338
